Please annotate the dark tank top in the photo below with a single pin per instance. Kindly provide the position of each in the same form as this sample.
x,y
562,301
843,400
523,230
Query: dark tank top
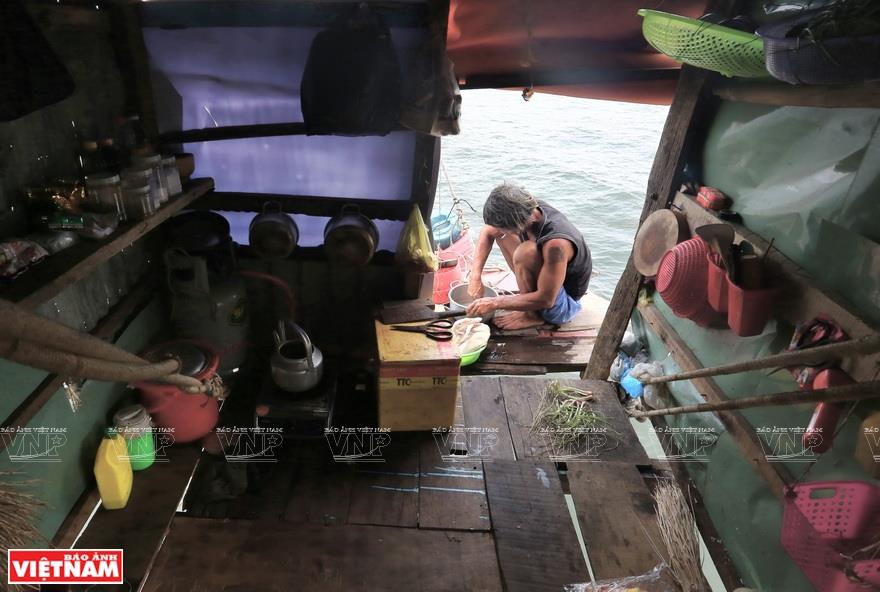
x,y
579,269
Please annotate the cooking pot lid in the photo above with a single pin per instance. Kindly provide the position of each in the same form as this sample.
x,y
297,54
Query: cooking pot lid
x,y
198,231
192,358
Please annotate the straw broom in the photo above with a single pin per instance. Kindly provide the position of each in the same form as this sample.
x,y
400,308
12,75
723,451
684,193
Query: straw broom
x,y
18,516
679,532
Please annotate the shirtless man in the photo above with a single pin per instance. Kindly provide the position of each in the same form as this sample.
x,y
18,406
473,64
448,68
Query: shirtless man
x,y
548,256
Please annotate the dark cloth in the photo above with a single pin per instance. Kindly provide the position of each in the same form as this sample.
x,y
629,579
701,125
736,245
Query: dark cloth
x,y
33,76
580,268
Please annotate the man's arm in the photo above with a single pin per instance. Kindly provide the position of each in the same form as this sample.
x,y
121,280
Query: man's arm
x,y
556,254
484,246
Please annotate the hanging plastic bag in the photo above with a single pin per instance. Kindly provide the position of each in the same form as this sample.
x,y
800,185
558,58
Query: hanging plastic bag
x,y
414,247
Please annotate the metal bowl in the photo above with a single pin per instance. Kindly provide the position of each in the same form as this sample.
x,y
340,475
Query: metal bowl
x,y
459,299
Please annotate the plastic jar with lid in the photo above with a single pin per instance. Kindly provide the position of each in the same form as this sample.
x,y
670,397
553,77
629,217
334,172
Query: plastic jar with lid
x,y
138,202
105,193
154,161
138,177
172,175
135,426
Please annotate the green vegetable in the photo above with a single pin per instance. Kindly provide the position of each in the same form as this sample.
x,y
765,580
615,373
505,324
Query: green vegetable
x,y
566,417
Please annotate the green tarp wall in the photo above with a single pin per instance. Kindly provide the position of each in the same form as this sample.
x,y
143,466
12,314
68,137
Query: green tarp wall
x,y
808,178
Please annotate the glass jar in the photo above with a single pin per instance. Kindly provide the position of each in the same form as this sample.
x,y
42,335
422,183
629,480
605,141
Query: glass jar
x,y
105,193
154,162
138,177
172,176
138,202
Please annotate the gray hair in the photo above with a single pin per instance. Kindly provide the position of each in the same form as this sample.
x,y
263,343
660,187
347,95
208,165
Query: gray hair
x,y
509,207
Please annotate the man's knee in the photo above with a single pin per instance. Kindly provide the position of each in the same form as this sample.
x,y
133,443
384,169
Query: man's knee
x,y
527,255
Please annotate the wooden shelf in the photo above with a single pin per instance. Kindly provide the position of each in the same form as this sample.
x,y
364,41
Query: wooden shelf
x,y
47,279
741,431
310,205
800,297
782,94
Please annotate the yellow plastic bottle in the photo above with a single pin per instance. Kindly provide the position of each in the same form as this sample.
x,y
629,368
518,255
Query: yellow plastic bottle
x,y
113,470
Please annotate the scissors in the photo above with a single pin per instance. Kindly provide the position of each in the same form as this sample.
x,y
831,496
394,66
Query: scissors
x,y
439,330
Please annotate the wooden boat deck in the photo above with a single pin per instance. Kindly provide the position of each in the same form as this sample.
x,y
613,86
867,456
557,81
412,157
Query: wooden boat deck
x,y
425,518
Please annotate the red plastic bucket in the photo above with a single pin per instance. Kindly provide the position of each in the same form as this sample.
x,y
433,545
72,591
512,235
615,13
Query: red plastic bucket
x,y
716,283
748,310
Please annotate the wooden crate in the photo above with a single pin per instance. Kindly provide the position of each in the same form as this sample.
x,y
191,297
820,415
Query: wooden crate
x,y
418,381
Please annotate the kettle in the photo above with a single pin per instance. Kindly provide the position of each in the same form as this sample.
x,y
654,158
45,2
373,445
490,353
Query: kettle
x,y
297,365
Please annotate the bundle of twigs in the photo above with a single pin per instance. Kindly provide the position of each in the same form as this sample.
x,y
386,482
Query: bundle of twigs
x,y
680,537
19,512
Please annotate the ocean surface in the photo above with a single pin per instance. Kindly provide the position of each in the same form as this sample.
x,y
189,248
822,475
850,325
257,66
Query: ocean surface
x,y
589,159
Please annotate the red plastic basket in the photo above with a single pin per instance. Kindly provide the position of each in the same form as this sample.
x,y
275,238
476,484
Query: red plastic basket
x,y
681,278
824,524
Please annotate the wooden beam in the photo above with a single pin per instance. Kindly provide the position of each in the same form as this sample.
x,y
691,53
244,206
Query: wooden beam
x,y
800,298
237,132
40,283
426,166
310,205
663,182
744,436
108,329
426,162
234,132
538,78
866,95
690,106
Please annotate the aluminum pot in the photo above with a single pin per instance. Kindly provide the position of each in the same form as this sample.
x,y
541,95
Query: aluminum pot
x,y
297,365
350,237
273,234
459,299
189,416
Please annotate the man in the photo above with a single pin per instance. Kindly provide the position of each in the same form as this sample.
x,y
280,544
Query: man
x,y
548,256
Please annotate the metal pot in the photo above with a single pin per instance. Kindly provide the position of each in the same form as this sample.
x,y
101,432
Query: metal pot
x,y
273,234
350,237
459,299
297,365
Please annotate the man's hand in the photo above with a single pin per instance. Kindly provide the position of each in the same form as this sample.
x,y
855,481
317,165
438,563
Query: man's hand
x,y
481,307
475,287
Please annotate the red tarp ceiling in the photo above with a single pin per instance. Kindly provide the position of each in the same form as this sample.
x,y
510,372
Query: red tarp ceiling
x,y
587,48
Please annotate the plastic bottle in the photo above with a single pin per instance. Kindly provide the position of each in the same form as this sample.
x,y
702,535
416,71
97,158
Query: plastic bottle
x,y
135,427
113,471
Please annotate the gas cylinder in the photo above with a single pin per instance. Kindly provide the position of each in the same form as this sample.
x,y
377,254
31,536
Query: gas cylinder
x,y
209,307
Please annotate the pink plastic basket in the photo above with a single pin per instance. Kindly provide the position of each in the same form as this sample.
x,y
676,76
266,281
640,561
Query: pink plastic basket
x,y
824,524
681,278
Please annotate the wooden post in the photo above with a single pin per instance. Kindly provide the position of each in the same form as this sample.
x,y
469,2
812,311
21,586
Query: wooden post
x,y
662,186
134,65
690,104
426,164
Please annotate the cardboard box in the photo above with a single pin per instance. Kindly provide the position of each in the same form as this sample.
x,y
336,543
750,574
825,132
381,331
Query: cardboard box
x,y
418,381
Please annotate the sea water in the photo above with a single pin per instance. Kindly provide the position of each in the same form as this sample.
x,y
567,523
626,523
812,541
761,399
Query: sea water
x,y
590,159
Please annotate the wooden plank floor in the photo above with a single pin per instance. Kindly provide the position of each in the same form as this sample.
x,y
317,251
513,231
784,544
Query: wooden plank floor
x,y
482,508
556,348
209,555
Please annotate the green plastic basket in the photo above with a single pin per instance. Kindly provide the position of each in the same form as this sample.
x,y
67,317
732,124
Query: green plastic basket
x,y
705,45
